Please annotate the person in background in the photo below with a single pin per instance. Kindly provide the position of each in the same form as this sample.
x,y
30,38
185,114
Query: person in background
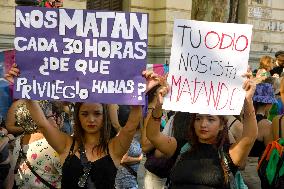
x,y
158,167
126,177
5,158
207,163
235,126
281,90
279,120
277,108
263,99
35,162
265,65
67,116
12,126
279,68
150,180
50,3
276,123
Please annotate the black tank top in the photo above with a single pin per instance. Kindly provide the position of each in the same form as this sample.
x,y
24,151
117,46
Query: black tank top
x,y
4,154
200,169
259,146
103,172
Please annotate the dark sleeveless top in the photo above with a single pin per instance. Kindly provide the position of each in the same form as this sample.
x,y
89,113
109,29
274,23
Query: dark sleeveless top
x,y
103,172
200,169
259,146
4,154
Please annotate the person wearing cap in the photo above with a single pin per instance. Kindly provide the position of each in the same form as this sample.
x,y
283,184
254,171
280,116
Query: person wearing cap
x,y
263,99
276,71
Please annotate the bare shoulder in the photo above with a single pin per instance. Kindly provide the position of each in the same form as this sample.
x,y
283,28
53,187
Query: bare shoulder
x,y
17,103
264,123
275,121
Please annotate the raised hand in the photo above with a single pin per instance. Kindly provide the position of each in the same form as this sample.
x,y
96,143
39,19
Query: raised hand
x,y
249,85
152,79
13,72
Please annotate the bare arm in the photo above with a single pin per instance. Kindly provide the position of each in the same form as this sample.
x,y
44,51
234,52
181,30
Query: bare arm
x,y
120,143
282,90
57,139
145,143
131,160
165,144
240,150
112,109
11,120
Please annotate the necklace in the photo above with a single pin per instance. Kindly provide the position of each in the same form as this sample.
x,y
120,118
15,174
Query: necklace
x,y
94,147
87,166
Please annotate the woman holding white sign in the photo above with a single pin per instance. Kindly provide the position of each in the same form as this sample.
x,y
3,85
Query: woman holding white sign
x,y
210,162
90,158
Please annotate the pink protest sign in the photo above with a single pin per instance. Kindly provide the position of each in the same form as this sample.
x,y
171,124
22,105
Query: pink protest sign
x,y
9,57
206,64
160,69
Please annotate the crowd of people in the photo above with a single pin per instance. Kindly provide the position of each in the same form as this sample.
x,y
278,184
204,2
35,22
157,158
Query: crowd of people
x,y
46,144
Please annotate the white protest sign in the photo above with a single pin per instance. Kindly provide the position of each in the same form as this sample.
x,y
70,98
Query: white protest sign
x,y
207,62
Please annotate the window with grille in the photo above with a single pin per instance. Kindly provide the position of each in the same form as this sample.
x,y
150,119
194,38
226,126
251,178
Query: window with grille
x,y
115,5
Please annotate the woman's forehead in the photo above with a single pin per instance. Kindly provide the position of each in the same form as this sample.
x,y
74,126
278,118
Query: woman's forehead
x,y
207,115
91,106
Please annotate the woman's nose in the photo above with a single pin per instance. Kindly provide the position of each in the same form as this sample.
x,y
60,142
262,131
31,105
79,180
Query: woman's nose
x,y
203,122
91,118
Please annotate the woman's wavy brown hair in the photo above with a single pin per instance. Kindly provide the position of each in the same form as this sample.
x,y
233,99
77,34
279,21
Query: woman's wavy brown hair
x,y
265,62
222,141
105,132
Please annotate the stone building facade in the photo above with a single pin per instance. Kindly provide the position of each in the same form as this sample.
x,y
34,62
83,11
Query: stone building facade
x,y
7,19
266,16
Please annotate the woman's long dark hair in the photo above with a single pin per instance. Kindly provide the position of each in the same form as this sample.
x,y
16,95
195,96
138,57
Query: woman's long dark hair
x,y
223,141
104,132
181,123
